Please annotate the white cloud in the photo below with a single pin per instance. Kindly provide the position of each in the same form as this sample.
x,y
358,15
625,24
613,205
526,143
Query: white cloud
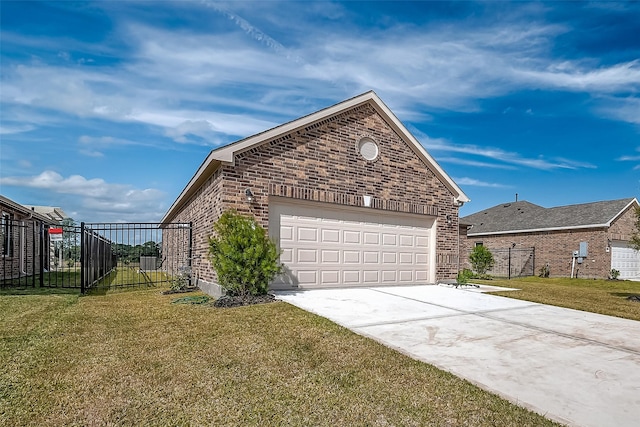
x,y
7,130
477,183
497,158
96,198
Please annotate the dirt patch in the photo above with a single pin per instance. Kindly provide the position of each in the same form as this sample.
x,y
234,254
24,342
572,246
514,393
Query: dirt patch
x,y
634,298
238,301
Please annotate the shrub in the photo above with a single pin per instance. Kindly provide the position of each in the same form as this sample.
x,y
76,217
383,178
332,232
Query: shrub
x,y
242,255
481,259
464,276
614,274
544,271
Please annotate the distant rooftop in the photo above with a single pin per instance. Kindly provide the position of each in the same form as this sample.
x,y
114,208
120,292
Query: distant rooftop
x,y
520,217
51,212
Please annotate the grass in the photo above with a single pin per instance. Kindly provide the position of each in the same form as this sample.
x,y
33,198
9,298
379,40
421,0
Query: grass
x,y
133,358
598,296
121,276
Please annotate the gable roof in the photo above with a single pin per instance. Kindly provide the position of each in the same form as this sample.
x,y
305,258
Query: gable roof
x,y
525,217
227,153
27,211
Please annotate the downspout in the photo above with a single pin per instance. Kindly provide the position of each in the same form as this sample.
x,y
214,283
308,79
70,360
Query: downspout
x,y
22,249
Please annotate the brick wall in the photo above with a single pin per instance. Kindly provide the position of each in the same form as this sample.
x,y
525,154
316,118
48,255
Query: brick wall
x,y
321,163
556,247
23,257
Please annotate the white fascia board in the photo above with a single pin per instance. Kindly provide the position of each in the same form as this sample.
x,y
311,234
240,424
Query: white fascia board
x,y
538,230
632,202
227,153
206,168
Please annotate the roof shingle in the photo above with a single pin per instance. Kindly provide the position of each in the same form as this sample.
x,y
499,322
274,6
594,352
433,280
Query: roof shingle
x,y
519,217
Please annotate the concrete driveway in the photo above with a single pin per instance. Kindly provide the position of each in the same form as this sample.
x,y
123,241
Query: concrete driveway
x,y
574,367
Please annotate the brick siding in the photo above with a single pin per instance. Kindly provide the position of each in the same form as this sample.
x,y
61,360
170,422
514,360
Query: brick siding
x,y
321,163
556,247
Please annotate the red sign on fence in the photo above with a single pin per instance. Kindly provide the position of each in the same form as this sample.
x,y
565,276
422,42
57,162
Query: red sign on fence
x,y
55,234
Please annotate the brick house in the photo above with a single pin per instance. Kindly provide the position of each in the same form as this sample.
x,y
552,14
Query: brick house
x,y
585,240
23,243
347,193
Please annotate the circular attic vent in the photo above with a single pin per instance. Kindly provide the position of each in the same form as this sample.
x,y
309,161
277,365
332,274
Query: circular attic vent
x,y
368,148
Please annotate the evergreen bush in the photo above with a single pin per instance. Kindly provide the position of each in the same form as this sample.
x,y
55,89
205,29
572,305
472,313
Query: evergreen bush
x,y
481,259
243,256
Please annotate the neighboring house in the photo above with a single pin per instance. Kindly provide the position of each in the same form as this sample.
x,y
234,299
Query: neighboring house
x,y
54,213
23,240
347,193
558,233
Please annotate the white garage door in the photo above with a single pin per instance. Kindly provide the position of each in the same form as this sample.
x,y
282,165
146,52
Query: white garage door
x,y
322,246
626,260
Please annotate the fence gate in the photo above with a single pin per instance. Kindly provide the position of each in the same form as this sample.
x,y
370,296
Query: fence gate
x,y
513,262
106,255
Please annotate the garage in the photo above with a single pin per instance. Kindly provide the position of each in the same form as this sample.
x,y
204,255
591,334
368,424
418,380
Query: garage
x,y
322,246
626,260
349,194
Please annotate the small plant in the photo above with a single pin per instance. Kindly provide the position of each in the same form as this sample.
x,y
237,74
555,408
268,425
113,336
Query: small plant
x,y
463,276
481,259
544,271
244,257
614,274
180,281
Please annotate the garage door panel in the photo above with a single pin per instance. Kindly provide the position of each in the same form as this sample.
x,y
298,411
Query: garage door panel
x,y
330,256
307,255
371,257
422,242
371,238
389,239
389,276
406,240
422,258
389,257
406,276
371,276
286,233
306,234
286,256
330,277
406,258
307,277
351,237
330,235
351,257
325,247
351,276
422,276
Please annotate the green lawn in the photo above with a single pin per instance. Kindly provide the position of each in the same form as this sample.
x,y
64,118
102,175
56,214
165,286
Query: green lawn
x,y
133,358
598,296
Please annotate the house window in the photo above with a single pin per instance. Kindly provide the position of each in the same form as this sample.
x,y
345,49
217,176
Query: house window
x,y
7,234
479,244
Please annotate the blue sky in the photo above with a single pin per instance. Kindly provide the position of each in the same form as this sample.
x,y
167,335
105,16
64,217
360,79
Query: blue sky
x,y
108,108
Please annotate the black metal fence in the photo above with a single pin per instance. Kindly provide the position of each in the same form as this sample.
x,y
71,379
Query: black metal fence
x,y
513,262
95,255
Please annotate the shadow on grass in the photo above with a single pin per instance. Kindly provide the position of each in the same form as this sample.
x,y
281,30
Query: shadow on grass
x,y
39,291
624,294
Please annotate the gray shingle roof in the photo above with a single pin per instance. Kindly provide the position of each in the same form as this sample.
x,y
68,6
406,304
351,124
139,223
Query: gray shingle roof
x,y
518,217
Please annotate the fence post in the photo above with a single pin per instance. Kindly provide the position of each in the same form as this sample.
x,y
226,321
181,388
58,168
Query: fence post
x,y
82,259
190,254
43,246
509,266
533,253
